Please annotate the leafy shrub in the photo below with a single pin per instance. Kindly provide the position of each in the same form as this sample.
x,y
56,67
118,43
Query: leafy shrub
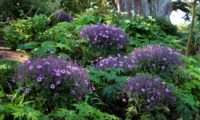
x,y
187,107
143,28
148,92
108,82
85,112
156,58
62,39
190,76
23,31
57,81
105,36
166,26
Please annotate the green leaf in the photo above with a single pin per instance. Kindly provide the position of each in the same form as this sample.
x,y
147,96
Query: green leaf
x,y
49,46
28,46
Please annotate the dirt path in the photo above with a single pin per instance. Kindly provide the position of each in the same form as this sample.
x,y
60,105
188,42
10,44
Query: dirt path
x,y
7,54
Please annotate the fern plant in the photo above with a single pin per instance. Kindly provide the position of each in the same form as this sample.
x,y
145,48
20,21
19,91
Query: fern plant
x,y
83,111
14,106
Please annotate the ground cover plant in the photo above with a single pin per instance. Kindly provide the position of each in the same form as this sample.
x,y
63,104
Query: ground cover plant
x,y
98,65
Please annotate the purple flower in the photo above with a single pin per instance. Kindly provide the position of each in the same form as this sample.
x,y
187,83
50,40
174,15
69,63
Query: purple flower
x,y
149,88
56,94
27,62
105,36
73,92
56,76
116,62
168,90
52,86
46,62
39,66
62,71
143,90
157,58
30,67
163,67
93,88
40,78
64,17
27,90
86,82
124,100
58,82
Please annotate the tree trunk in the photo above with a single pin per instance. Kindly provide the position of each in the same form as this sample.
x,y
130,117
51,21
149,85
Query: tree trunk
x,y
161,8
191,27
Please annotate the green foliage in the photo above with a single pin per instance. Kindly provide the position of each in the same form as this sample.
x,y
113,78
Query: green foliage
x,y
6,72
62,39
191,75
13,9
25,30
141,27
108,82
15,107
187,105
83,111
166,26
145,31
82,5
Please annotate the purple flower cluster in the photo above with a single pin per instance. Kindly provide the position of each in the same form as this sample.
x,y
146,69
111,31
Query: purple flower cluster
x,y
105,36
116,62
150,89
53,76
151,58
157,58
63,17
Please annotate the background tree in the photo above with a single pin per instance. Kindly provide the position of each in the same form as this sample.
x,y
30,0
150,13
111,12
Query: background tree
x,y
158,8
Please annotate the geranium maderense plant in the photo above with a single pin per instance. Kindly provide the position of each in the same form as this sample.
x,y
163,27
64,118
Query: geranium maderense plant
x,y
63,17
149,91
53,78
156,58
116,62
105,36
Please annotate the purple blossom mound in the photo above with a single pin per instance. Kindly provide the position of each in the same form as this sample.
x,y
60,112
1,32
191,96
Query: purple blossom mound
x,y
156,58
150,89
53,76
116,62
63,17
105,36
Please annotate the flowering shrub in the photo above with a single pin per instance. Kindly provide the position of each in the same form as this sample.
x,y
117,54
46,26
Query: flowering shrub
x,y
149,91
53,78
105,36
156,58
116,62
64,17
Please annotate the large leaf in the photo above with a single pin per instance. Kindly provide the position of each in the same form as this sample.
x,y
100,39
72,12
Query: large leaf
x,y
28,46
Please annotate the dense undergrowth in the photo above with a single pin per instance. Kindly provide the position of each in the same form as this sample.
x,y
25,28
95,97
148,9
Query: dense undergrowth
x,y
101,67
